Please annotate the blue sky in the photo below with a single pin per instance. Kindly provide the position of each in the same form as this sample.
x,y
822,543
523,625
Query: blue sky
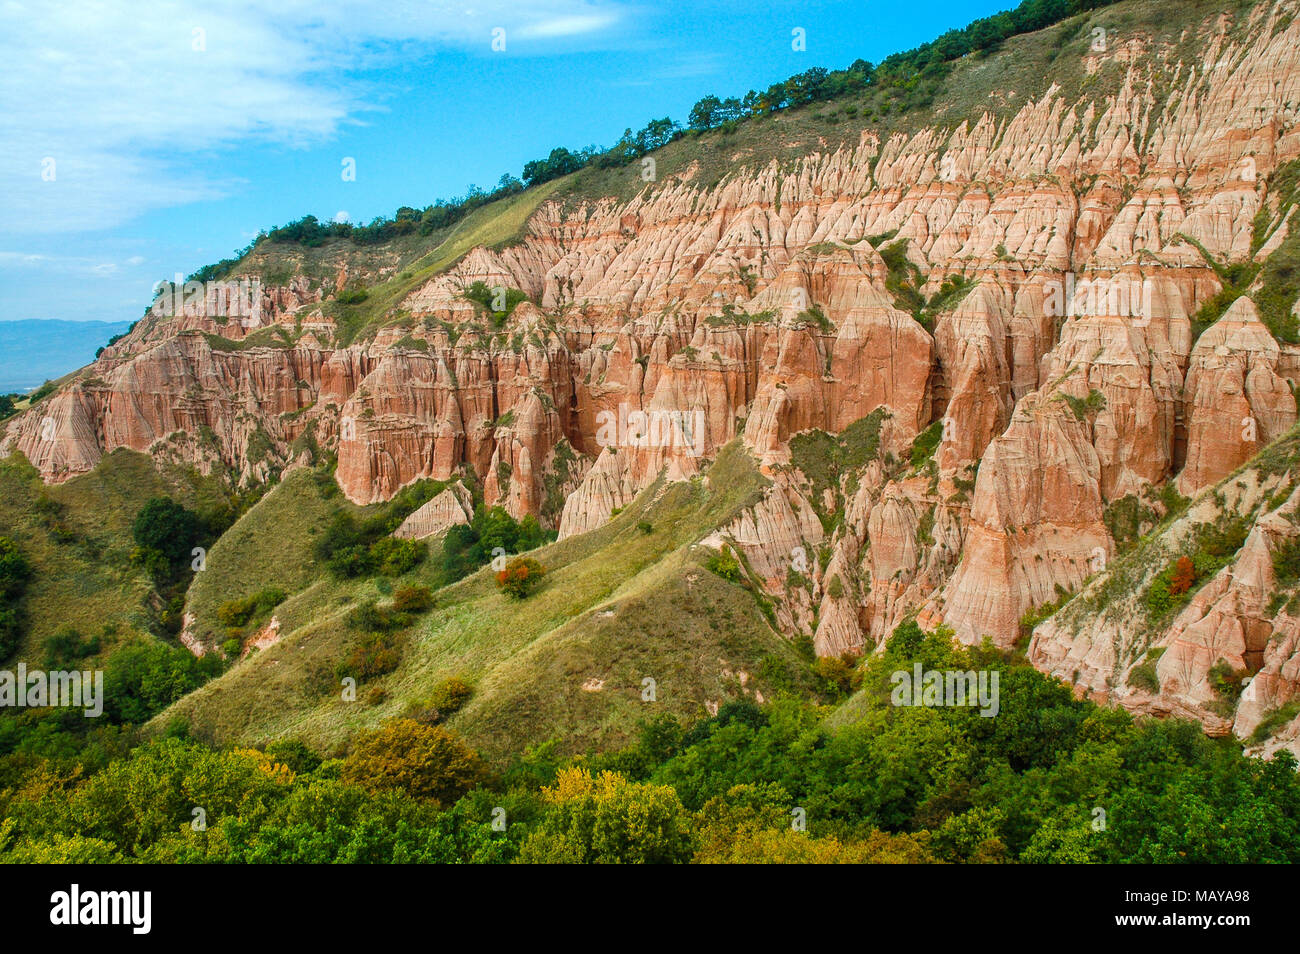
x,y
177,130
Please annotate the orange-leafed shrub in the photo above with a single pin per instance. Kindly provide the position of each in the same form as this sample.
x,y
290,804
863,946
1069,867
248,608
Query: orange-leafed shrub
x,y
520,577
1184,576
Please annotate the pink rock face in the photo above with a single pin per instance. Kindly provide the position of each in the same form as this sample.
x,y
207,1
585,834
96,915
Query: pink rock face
x,y
1237,402
451,507
1035,524
1231,621
972,350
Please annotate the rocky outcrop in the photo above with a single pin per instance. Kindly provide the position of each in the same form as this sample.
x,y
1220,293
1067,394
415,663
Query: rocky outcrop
x,y
1036,522
1236,625
453,506
1237,402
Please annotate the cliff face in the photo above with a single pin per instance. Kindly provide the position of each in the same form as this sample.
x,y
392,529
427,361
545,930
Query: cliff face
x,y
1084,230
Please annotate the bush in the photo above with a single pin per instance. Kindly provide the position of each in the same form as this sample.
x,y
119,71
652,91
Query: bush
x,y
368,617
237,613
840,673
521,577
725,565
423,760
466,547
294,755
926,443
374,654
143,678
607,819
450,695
412,599
1286,562
1143,676
15,572
66,646
1184,576
1226,682
394,557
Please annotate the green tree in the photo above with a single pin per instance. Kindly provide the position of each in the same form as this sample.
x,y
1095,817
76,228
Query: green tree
x,y
426,761
605,819
166,534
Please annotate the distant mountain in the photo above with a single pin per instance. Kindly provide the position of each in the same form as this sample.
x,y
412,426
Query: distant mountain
x,y
35,350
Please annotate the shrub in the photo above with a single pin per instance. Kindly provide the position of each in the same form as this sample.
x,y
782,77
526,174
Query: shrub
x,y
1286,562
143,678
66,646
15,571
394,557
466,547
237,613
1184,576
1274,720
725,565
295,755
368,617
450,695
521,577
1143,676
426,761
840,673
606,818
926,443
412,599
374,654
165,534
1226,682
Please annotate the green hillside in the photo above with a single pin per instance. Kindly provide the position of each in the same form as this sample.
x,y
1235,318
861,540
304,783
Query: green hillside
x,y
624,603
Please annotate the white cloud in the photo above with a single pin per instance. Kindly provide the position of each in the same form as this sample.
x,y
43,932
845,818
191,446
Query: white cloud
x,y
123,95
567,26
67,265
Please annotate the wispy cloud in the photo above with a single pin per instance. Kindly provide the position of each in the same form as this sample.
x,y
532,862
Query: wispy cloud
x,y
102,105
568,26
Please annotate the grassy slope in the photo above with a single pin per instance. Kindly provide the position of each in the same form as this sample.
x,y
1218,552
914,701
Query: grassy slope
x,y
495,224
393,270
668,619
271,545
88,581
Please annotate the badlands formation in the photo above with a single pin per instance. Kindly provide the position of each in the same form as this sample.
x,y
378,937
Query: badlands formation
x,y
1061,375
